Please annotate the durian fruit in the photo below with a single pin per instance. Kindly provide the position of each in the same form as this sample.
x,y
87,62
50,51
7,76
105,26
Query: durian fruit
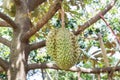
x,y
63,47
50,44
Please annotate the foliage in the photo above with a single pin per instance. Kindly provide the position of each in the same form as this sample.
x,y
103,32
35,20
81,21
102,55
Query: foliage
x,y
76,13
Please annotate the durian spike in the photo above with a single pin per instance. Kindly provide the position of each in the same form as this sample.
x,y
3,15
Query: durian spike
x,y
62,16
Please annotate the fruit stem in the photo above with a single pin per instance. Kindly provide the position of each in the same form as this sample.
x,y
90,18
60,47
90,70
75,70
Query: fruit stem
x,y
62,16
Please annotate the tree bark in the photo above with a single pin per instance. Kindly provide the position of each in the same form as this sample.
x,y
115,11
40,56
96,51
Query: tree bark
x,y
8,20
5,41
4,24
19,47
73,69
32,4
3,64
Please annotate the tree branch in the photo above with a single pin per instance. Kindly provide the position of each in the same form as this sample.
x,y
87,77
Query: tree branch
x,y
95,18
1,69
5,41
8,20
32,4
84,26
73,69
4,64
102,17
17,2
53,9
104,53
37,45
4,24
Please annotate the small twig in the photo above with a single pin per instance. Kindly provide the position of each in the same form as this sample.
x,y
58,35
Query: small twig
x,y
79,78
102,17
42,74
49,75
104,53
118,63
56,75
96,52
89,38
98,75
62,16
111,73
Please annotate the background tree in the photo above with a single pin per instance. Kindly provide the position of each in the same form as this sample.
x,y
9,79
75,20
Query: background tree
x,y
25,24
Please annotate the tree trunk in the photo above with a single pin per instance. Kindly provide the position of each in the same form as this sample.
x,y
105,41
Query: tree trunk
x,y
20,47
17,69
18,57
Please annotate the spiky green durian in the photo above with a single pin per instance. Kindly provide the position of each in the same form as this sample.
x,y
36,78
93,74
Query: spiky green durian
x,y
50,44
63,47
